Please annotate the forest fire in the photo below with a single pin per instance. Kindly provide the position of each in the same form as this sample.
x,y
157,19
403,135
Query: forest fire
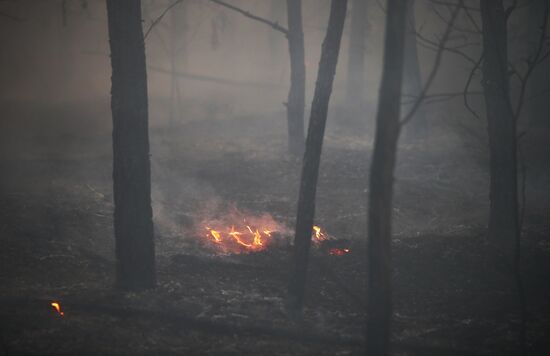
x,y
57,308
234,231
245,238
251,238
238,232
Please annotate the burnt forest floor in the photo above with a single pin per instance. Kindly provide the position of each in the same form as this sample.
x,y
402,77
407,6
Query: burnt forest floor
x,y
451,297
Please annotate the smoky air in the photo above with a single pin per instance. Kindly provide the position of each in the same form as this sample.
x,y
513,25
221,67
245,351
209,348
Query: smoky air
x,y
274,177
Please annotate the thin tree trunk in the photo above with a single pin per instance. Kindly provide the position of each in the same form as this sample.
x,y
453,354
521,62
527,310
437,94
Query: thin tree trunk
x,y
312,155
297,92
355,92
173,66
539,82
379,292
503,218
277,14
135,251
412,79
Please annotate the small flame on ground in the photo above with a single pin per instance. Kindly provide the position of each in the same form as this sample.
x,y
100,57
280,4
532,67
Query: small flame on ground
x,y
234,236
319,235
234,231
57,308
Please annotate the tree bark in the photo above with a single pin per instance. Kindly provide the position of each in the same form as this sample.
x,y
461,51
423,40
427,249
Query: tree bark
x,y
135,252
503,217
312,155
355,93
297,92
412,78
379,292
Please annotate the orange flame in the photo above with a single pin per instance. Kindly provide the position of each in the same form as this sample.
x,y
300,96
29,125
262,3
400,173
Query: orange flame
x,y
319,235
234,231
57,308
255,242
216,235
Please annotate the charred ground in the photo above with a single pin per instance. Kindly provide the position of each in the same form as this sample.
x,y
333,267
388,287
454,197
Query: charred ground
x,y
57,244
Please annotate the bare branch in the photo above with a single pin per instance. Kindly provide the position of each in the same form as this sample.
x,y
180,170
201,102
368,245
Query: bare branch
x,y
456,28
437,62
447,3
437,97
429,44
532,63
274,25
467,86
158,19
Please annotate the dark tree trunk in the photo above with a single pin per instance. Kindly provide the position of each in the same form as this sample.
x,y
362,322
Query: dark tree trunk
x,y
379,294
135,251
503,219
412,79
297,93
355,91
539,81
312,155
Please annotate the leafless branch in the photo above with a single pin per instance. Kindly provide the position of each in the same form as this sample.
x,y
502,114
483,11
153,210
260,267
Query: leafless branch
x,y
467,86
470,17
435,67
159,19
437,97
274,25
455,27
447,3
432,45
532,62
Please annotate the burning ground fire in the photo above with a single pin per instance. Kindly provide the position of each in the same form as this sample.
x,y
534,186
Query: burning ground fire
x,y
57,308
237,233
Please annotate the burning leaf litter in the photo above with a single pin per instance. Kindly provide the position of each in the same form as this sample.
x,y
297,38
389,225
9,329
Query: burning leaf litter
x,y
57,308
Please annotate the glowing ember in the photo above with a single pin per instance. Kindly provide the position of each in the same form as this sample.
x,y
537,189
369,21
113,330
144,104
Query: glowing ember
x,y
338,251
57,308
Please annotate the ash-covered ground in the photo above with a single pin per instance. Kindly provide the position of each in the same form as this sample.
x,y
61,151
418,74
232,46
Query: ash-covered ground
x,y
58,245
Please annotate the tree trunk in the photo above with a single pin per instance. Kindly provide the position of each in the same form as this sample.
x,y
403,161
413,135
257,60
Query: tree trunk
x,y
312,155
503,219
135,251
379,294
277,14
538,98
412,79
355,94
297,93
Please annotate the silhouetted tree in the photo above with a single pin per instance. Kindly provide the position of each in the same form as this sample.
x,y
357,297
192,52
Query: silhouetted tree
x,y
312,155
297,93
412,79
177,31
355,91
381,183
539,84
277,12
135,252
503,219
